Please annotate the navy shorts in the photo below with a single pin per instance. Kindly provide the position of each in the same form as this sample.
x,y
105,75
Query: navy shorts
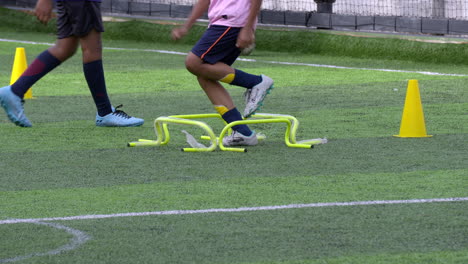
x,y
218,44
78,18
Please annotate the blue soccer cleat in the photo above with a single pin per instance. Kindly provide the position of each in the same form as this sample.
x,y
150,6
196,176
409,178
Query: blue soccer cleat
x,y
13,106
118,118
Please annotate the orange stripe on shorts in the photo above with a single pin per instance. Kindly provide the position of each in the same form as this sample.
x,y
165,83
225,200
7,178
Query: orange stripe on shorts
x,y
216,42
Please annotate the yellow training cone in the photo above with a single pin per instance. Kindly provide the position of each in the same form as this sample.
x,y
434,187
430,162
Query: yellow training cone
x,y
412,121
19,66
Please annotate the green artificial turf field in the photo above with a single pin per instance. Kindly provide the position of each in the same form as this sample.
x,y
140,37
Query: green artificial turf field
x,y
359,194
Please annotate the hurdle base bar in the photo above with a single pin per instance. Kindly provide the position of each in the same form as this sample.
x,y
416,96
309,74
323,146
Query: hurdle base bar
x,y
163,136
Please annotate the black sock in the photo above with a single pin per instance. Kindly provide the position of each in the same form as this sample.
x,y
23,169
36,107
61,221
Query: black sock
x,y
245,80
234,115
42,65
94,74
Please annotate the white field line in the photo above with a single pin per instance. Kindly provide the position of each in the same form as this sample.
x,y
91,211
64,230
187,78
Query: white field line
x,y
232,210
253,60
77,240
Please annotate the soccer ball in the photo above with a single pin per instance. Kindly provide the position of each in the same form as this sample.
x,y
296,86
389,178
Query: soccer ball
x,y
247,50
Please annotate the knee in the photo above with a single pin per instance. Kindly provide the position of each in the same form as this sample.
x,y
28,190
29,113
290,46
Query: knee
x,y
63,52
192,64
91,54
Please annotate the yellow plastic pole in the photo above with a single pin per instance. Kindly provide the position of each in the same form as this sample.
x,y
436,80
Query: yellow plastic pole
x,y
163,137
260,121
292,119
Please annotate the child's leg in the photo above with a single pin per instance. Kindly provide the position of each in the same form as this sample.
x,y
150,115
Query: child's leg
x,y
94,72
198,67
44,63
91,46
64,48
11,96
217,94
208,76
223,104
209,65
221,71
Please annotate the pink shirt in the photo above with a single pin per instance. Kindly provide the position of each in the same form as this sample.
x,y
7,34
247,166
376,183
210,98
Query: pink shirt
x,y
231,13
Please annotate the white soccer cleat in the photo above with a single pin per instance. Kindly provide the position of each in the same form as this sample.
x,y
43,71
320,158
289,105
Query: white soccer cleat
x,y
255,96
237,139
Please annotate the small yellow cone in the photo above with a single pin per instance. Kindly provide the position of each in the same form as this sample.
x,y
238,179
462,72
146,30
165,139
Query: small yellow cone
x,y
19,66
412,121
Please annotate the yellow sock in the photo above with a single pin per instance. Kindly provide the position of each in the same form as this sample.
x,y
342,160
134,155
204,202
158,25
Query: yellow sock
x,y
221,109
228,78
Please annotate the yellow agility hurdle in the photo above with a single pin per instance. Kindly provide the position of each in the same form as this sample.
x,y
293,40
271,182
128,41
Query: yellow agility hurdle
x,y
163,136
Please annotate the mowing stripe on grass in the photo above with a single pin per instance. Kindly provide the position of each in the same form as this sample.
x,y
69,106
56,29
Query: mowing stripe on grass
x,y
233,210
253,60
